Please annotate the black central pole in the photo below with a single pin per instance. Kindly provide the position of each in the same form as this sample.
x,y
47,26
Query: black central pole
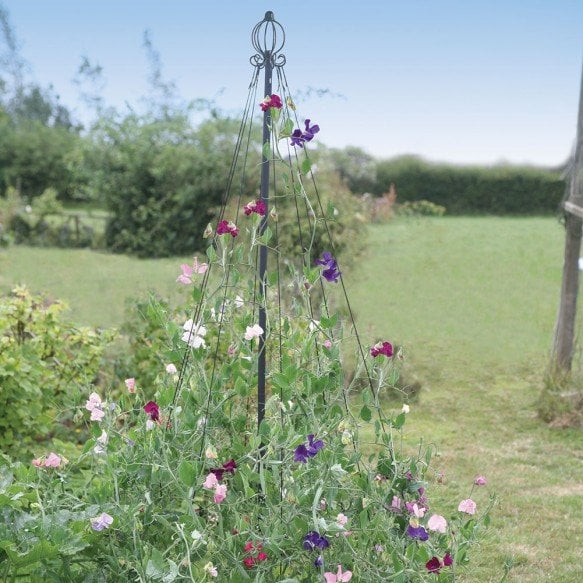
x,y
264,191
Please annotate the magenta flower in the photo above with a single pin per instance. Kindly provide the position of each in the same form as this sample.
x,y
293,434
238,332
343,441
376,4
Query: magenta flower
x,y
272,100
255,206
480,481
228,467
385,348
468,506
434,565
151,408
330,272
229,227
305,451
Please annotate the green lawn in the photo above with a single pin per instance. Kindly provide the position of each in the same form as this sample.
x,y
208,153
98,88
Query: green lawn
x,y
473,300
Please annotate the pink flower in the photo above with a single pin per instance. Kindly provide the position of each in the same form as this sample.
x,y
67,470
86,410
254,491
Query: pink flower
x,y
52,461
220,493
171,369
210,482
468,506
480,481
188,271
131,385
253,332
327,344
339,576
437,523
385,348
341,519
152,409
225,227
38,462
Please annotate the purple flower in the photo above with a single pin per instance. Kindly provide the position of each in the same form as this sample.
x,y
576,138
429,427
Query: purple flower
x,y
298,137
310,131
304,451
229,467
319,561
313,540
330,271
417,532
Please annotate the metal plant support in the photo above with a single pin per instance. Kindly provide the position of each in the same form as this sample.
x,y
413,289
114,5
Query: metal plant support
x,y
268,39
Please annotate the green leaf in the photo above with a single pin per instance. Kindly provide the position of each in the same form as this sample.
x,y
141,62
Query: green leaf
x,y
266,151
365,414
399,421
156,566
187,473
306,166
287,128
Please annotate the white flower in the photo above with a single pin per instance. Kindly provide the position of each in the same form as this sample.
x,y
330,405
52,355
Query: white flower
x,y
211,570
405,408
150,425
314,325
193,334
239,303
253,332
171,369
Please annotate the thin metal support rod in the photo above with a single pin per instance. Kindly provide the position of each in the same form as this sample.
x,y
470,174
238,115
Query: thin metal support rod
x,y
264,193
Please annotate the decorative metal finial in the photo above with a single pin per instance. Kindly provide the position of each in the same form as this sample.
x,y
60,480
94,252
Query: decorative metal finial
x,y
268,38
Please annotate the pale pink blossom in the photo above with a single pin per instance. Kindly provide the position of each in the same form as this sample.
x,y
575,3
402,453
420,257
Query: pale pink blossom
x,y
211,570
171,369
341,519
338,577
101,522
468,506
52,461
480,481
38,462
210,482
253,332
97,414
95,405
396,503
437,523
328,343
131,385
220,493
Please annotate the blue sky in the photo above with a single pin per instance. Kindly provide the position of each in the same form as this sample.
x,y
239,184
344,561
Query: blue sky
x,y
459,81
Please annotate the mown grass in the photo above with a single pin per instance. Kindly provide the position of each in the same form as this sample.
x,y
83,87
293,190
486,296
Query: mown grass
x,y
473,301
95,285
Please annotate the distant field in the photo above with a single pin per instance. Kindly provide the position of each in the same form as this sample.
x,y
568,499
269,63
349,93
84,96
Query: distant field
x,y
473,300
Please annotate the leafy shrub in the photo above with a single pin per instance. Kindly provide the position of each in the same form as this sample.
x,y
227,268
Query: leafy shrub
x,y
423,208
43,361
160,179
497,190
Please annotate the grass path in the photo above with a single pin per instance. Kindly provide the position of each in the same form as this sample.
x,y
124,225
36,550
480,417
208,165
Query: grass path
x,y
474,302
